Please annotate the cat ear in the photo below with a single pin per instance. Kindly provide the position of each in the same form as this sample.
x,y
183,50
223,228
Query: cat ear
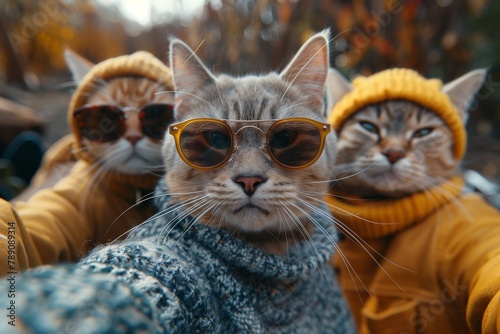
x,y
308,69
336,88
78,65
190,75
463,90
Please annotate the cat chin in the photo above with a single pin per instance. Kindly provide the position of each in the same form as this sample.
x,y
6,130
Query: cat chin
x,y
252,220
134,165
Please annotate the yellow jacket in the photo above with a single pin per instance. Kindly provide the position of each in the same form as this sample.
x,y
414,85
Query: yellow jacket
x,y
427,263
64,221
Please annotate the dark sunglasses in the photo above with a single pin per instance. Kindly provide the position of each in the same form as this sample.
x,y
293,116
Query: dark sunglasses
x,y
292,143
105,123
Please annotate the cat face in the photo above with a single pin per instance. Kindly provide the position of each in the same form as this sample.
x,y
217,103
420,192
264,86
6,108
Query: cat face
x,y
249,193
394,148
133,152
397,147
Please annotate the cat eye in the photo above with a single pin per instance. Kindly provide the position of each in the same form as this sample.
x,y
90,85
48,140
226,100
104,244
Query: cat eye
x,y
369,126
292,143
105,123
422,132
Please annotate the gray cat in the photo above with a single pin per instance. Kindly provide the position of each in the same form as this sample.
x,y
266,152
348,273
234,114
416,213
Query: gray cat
x,y
242,238
421,252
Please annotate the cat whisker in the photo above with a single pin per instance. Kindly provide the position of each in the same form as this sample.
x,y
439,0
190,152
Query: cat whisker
x,y
193,95
75,151
99,170
148,197
337,209
196,220
282,221
351,271
194,51
68,84
164,92
306,235
302,69
158,215
350,233
357,173
199,201
152,172
297,104
322,230
342,178
215,215
312,193
149,168
359,241
97,174
436,191
98,83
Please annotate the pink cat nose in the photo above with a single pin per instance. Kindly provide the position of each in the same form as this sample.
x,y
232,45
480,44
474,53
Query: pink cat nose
x,y
133,139
394,155
249,183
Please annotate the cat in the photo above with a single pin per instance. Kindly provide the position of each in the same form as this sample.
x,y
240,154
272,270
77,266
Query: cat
x,y
397,147
394,149
118,115
242,235
279,199
133,152
413,235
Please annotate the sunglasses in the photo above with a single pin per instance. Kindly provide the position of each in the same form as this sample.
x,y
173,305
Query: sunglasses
x,y
105,123
292,143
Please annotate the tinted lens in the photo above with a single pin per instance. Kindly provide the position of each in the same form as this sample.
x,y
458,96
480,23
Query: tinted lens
x,y
294,143
155,119
100,123
205,143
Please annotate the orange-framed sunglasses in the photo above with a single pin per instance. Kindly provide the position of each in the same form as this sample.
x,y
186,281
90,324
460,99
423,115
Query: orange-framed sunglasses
x,y
208,143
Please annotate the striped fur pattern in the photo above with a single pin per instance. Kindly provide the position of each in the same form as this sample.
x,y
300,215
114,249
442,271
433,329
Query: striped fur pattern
x,y
397,147
133,153
282,201
393,149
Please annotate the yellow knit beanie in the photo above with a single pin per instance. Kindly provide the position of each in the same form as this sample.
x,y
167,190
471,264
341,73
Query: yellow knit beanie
x,y
140,64
399,83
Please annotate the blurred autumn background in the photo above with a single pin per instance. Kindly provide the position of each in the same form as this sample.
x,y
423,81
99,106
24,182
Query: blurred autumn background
x,y
438,38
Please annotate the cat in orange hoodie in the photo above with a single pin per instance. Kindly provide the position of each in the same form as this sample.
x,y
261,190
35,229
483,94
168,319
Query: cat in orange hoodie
x,y
118,116
421,253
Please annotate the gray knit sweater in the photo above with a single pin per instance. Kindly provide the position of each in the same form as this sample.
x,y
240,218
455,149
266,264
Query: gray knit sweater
x,y
194,280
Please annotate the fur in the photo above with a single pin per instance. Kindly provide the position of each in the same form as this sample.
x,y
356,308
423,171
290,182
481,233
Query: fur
x,y
134,153
415,138
281,202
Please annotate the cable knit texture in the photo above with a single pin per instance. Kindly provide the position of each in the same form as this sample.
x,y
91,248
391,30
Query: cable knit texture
x,y
376,218
405,84
186,279
424,263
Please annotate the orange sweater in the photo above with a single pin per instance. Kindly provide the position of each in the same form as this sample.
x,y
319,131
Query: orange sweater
x,y
59,224
84,208
427,263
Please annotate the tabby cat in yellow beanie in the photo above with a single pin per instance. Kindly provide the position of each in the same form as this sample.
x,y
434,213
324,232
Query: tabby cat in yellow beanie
x,y
118,116
421,255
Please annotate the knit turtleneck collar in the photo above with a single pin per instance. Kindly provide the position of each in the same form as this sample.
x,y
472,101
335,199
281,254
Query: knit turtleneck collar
x,y
231,284
370,219
300,260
